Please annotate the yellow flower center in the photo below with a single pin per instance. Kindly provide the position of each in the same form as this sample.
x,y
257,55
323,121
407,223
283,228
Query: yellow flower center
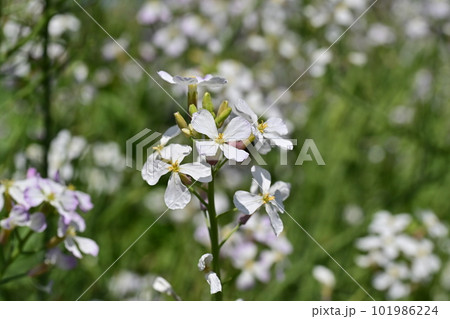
x,y
262,126
174,167
71,232
220,139
51,197
267,198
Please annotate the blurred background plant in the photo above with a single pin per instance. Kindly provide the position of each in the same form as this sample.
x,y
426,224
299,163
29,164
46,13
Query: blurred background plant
x,y
376,105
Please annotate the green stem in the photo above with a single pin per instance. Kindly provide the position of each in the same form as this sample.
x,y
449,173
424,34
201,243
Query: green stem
x,y
214,233
47,86
235,229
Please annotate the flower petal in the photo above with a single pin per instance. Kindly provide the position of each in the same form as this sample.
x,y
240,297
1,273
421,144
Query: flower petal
x,y
166,77
237,130
37,222
34,196
212,81
153,169
184,80
87,245
242,109
171,132
84,201
205,261
282,187
279,141
197,171
276,125
177,196
275,220
72,247
176,152
203,122
234,153
247,202
208,148
262,178
214,282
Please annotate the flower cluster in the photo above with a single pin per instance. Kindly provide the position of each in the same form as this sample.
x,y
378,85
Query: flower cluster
x,y
37,203
71,157
402,250
224,135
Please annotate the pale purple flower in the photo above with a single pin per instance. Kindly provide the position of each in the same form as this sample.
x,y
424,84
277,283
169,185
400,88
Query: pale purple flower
x,y
57,195
244,258
68,227
57,258
20,217
237,130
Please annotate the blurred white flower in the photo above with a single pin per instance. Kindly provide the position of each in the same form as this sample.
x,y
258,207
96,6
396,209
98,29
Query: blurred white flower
x,y
392,280
434,227
209,80
324,275
61,23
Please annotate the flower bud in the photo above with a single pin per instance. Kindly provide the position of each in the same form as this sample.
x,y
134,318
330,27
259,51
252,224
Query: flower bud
x,y
186,180
223,106
192,109
186,132
207,103
181,122
192,94
223,116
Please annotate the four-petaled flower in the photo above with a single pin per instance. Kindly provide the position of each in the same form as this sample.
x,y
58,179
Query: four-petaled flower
x,y
271,197
267,133
237,130
207,80
68,227
177,196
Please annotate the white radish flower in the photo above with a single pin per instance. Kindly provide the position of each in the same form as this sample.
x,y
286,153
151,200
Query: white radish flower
x,y
434,226
208,80
267,133
386,223
177,195
205,265
392,280
237,130
269,196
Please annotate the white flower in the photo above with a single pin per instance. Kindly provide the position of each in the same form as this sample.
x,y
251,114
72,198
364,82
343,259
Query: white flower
x,y
386,223
271,197
208,80
244,258
61,23
204,264
391,280
434,226
425,263
324,275
163,286
267,133
237,130
177,195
